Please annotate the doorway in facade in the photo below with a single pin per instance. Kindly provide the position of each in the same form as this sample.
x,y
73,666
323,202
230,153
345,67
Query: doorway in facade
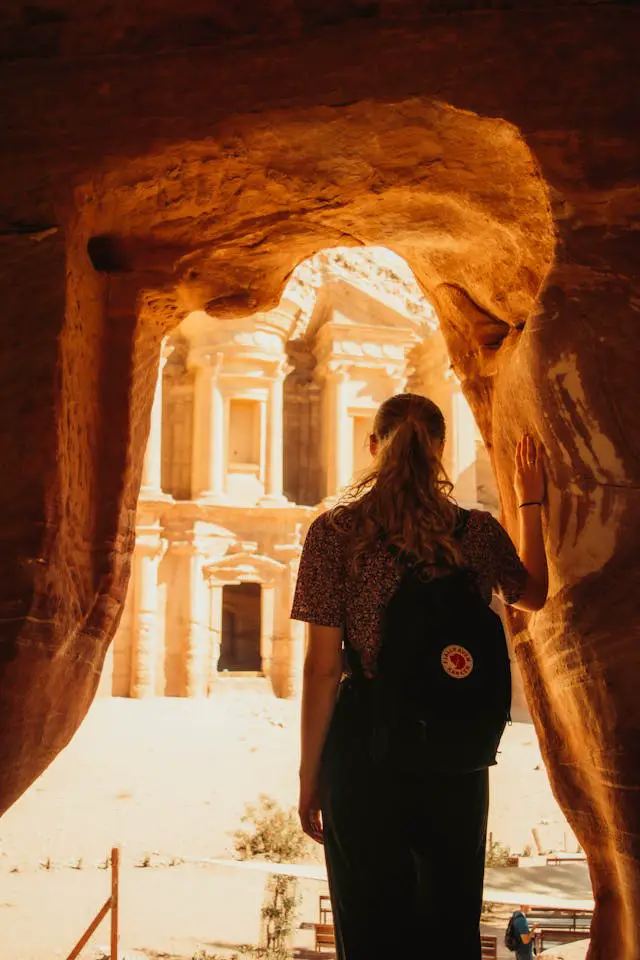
x,y
241,629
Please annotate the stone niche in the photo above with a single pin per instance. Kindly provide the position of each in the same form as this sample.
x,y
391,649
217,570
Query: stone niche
x,y
494,146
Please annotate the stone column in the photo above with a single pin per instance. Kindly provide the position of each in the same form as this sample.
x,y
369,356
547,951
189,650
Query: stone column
x,y
275,435
340,452
218,446
287,667
146,561
267,617
264,442
288,664
198,636
208,431
151,486
216,632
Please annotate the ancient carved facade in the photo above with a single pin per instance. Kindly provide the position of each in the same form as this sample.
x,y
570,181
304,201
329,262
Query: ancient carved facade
x,y
257,424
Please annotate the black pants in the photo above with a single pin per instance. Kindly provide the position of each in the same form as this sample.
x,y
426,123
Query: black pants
x,y
405,854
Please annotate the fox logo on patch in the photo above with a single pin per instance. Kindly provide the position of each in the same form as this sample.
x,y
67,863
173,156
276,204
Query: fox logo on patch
x,y
456,661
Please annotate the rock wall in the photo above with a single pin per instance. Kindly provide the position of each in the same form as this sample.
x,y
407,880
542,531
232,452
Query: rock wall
x,y
159,159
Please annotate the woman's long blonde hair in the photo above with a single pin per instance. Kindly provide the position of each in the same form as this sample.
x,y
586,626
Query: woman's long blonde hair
x,y
406,496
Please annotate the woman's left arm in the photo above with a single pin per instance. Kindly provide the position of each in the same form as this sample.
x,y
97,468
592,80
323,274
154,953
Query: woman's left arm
x,y
322,673
319,600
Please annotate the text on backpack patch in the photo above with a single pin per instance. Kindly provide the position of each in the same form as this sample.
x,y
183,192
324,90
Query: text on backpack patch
x,y
456,661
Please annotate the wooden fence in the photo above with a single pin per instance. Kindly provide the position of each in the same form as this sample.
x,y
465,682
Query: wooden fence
x,y
110,906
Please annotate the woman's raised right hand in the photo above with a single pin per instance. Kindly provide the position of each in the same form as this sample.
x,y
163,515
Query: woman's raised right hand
x,y
529,479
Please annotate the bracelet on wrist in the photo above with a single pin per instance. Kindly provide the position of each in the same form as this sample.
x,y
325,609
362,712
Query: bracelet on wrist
x,y
530,503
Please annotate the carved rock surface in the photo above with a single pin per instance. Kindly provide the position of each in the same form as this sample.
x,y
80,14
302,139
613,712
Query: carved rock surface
x,y
160,158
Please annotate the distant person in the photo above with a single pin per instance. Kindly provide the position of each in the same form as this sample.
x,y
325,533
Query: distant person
x,y
520,936
394,759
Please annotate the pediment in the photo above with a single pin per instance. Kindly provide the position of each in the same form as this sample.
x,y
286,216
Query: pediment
x,y
244,567
343,306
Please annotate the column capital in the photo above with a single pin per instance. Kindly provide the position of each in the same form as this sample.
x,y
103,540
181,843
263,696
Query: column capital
x,y
396,370
150,541
336,370
215,360
166,349
186,545
283,369
204,357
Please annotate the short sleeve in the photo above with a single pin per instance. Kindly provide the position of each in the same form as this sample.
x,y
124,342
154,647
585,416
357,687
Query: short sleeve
x,y
509,573
319,593
521,924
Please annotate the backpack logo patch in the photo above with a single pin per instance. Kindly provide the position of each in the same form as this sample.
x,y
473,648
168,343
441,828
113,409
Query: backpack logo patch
x,y
456,661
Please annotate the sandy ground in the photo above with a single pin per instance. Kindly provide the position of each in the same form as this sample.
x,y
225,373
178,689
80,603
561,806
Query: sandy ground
x,y
170,779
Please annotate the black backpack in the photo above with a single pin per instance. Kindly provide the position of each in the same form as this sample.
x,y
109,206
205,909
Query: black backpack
x,y
441,696
512,939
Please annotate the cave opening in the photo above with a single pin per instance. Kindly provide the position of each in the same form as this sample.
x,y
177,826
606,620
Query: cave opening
x,y
465,211
492,145
257,424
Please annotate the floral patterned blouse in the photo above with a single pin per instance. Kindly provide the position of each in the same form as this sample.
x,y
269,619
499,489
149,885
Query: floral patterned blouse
x,y
328,594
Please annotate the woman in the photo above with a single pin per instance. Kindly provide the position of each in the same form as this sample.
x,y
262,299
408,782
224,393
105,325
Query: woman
x,y
404,850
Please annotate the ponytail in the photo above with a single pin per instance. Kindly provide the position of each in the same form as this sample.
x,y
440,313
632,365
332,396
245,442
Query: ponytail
x,y
406,496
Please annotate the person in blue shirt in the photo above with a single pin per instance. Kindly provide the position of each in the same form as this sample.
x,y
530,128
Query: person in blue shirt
x,y
526,934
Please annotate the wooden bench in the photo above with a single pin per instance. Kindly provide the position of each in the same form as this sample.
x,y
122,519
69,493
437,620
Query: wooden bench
x,y
489,947
549,936
557,858
326,940
561,918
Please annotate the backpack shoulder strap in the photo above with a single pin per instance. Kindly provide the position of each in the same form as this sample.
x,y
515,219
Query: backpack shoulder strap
x,y
463,521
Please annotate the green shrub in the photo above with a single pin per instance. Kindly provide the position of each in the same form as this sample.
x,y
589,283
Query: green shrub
x,y
275,834
497,854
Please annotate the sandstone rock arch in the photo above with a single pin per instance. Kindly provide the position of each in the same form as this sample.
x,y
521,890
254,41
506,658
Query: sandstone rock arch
x,y
163,197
